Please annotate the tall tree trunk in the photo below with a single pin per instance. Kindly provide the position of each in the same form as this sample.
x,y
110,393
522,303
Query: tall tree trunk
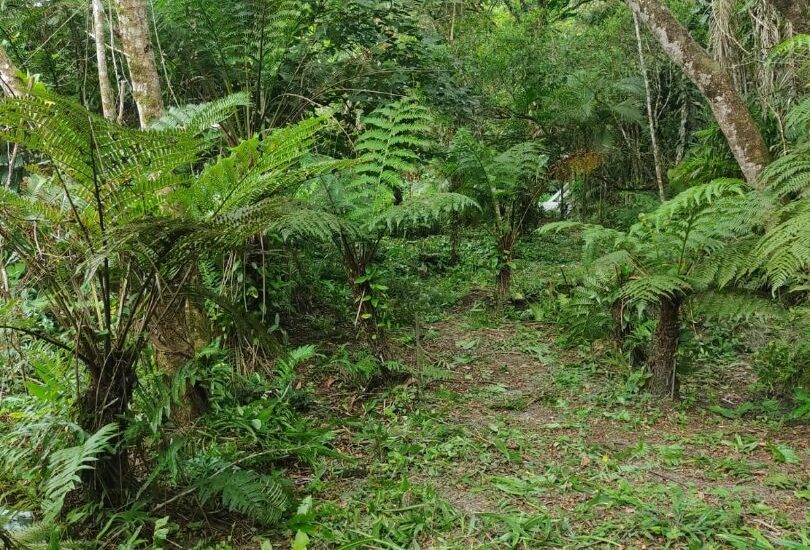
x,y
133,23
659,175
683,129
730,111
661,362
11,84
105,90
182,328
795,11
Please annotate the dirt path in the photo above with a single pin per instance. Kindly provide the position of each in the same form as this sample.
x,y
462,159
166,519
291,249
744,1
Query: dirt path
x,y
574,413
529,445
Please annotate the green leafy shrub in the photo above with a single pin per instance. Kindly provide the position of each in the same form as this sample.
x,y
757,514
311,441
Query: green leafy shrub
x,y
781,366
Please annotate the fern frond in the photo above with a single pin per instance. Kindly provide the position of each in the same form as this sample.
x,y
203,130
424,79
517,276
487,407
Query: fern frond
x,y
794,44
195,119
783,254
798,118
649,289
695,198
735,306
258,496
257,168
300,222
421,210
66,465
390,142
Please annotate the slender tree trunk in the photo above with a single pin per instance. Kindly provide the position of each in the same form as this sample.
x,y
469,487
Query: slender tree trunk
x,y
182,328
795,11
661,362
133,23
730,110
503,279
105,90
659,176
683,130
366,315
11,84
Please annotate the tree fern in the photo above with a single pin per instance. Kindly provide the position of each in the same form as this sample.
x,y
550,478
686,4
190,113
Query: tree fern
x,y
697,241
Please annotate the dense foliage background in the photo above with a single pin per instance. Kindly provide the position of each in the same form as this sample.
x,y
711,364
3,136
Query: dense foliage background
x,y
404,274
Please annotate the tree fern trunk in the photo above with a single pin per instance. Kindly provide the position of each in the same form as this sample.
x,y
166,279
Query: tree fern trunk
x,y
106,401
455,237
503,283
367,321
661,363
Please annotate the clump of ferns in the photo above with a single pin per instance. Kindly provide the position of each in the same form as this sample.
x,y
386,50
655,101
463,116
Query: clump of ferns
x,y
688,253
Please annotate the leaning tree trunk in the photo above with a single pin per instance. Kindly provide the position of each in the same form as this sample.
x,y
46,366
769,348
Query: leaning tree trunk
x,y
105,90
661,362
795,11
730,110
133,23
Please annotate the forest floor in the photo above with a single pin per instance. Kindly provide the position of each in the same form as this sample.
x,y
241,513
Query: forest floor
x,y
510,441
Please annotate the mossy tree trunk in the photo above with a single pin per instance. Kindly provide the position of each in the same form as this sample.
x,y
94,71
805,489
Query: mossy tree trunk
x,y
180,331
729,109
136,42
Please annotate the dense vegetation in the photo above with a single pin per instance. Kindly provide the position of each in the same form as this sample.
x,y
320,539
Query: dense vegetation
x,y
404,274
